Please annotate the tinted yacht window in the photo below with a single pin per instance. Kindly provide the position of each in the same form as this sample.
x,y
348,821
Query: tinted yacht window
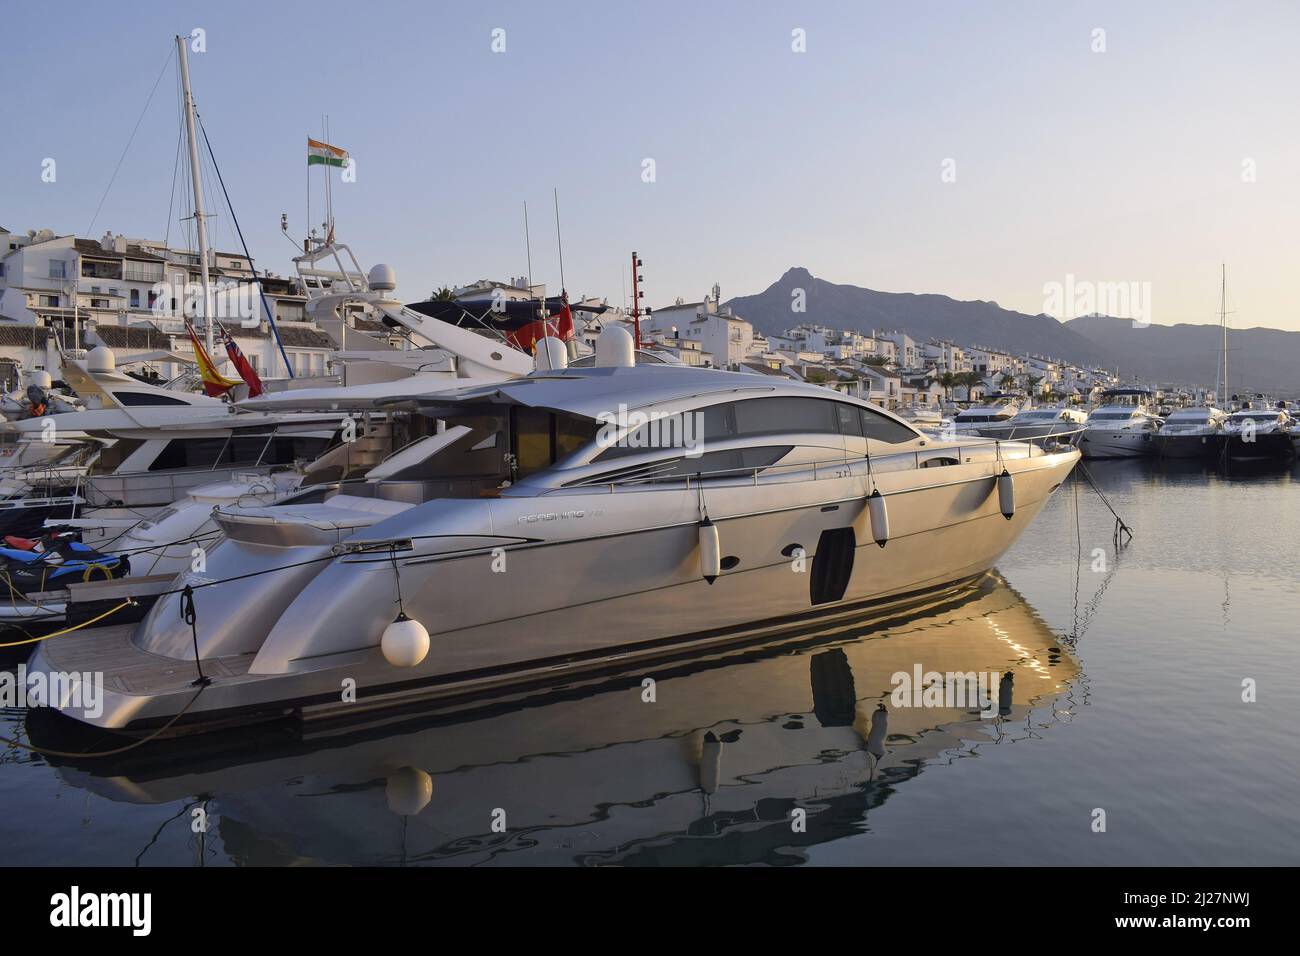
x,y
146,398
877,426
774,416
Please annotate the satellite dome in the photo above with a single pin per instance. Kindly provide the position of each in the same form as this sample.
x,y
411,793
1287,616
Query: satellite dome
x,y
101,359
382,278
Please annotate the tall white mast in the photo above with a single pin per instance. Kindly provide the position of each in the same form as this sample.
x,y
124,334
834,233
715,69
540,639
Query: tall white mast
x,y
196,178
1223,321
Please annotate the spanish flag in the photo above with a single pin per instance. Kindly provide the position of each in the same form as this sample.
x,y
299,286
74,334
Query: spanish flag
x,y
214,383
323,154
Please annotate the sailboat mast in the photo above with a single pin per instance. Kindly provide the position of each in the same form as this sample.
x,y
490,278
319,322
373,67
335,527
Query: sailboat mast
x,y
1223,321
196,178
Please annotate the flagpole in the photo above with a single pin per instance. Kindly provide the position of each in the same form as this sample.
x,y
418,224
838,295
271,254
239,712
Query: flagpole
x,y
196,178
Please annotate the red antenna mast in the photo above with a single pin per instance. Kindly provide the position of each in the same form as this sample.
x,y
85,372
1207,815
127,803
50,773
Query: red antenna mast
x,y
636,298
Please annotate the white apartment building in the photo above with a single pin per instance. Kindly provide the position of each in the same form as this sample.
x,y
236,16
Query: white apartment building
x,y
132,295
946,356
907,352
993,364
726,336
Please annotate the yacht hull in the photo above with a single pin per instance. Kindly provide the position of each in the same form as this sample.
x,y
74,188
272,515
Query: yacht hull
x,y
1275,445
1118,443
1187,446
588,581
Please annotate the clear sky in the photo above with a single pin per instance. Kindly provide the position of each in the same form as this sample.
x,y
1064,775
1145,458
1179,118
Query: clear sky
x,y
1129,165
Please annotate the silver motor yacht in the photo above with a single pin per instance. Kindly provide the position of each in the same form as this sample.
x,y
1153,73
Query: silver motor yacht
x,y
1124,425
1062,422
546,526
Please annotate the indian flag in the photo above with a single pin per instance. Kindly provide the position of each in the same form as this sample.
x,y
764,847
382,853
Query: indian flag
x,y
323,154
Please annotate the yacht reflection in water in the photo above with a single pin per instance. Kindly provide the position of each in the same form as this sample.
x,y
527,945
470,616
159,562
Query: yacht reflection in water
x,y
707,765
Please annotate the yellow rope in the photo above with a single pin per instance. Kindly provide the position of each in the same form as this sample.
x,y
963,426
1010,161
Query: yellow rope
x,y
68,630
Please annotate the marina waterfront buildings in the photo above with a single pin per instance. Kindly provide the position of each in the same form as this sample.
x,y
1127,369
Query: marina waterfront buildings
x,y
69,294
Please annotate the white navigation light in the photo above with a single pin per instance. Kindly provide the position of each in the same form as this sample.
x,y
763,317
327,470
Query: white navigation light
x,y
405,642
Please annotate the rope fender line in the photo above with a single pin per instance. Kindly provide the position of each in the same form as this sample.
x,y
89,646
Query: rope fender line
x,y
77,755
129,602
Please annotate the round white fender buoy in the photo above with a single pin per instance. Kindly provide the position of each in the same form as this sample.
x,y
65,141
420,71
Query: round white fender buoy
x,y
710,551
1006,494
408,791
405,642
710,762
879,517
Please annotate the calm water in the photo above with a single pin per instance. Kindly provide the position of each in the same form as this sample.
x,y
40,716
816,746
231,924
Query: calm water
x,y
1128,675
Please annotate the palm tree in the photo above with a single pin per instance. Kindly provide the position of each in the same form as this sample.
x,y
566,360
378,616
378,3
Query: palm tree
x,y
949,382
443,295
1031,383
970,380
1006,381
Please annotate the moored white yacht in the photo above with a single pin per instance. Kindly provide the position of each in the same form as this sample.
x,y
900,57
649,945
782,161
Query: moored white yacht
x,y
995,409
1038,423
536,533
1123,426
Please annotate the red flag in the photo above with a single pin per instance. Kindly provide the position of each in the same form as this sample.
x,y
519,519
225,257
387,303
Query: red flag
x,y
241,364
558,326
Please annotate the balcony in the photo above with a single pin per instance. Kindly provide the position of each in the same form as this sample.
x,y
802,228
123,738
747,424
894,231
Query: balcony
x,y
100,270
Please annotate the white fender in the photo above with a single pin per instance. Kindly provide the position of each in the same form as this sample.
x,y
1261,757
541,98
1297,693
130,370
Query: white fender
x,y
405,642
1007,494
879,514
710,551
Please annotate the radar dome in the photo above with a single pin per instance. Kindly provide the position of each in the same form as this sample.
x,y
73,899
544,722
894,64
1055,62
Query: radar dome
x,y
615,348
382,278
101,359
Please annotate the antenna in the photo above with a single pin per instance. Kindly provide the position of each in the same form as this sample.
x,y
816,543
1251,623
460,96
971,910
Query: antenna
x,y
559,242
528,245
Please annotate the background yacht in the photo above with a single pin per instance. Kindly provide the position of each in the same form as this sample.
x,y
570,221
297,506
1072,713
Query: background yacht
x,y
1191,432
1122,426
1037,423
1257,433
996,408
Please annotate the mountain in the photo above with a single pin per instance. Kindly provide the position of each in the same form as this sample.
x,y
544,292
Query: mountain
x,y
921,316
1259,359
